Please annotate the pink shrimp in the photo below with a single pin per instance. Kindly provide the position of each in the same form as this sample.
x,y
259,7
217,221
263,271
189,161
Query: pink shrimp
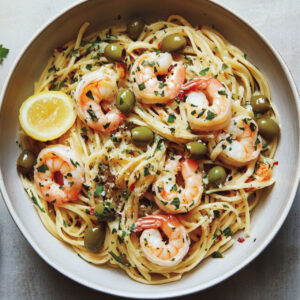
x,y
58,174
95,95
154,247
171,197
208,104
157,78
240,142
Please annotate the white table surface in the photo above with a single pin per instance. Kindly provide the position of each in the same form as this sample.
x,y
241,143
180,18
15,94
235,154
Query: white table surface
x,y
275,274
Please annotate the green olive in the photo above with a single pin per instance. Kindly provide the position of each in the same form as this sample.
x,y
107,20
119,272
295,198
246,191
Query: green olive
x,y
260,104
99,209
135,28
217,175
142,135
173,42
94,238
115,52
268,128
197,149
125,101
26,161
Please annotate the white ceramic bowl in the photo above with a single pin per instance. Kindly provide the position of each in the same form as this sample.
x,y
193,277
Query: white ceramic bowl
x,y
267,217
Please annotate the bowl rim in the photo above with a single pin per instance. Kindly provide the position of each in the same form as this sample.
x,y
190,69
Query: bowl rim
x,y
168,293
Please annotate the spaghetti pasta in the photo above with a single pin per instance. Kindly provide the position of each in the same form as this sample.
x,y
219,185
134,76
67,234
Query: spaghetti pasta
x,y
119,174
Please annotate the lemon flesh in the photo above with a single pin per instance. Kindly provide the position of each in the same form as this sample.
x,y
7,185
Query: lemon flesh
x,y
47,116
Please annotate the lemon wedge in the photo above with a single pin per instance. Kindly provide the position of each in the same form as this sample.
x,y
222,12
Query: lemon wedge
x,y
47,115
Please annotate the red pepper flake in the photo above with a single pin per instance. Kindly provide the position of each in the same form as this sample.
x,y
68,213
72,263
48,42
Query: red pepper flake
x,y
219,238
159,46
181,95
170,68
108,110
241,240
60,49
132,186
199,27
92,211
275,163
58,178
131,153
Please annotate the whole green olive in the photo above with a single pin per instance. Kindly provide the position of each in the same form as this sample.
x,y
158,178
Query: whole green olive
x,y
173,42
142,135
115,52
125,101
197,149
26,161
268,128
260,104
94,238
135,28
217,175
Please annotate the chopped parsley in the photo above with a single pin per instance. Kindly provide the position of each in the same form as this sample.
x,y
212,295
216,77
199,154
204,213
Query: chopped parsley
x,y
171,118
256,143
90,95
175,202
43,168
106,125
173,188
119,259
224,67
146,171
201,113
217,254
36,203
52,69
142,86
204,71
216,214
252,126
3,53
210,115
161,85
92,114
75,52
99,190
227,231
88,67
74,163
223,93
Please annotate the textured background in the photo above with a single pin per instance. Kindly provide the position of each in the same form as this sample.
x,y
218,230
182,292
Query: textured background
x,y
275,274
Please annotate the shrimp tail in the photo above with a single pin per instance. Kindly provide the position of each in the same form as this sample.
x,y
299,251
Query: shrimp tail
x,y
147,223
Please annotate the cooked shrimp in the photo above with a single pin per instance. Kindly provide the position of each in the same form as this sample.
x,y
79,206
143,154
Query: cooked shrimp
x,y
208,104
95,96
262,172
157,78
58,174
240,142
170,196
155,248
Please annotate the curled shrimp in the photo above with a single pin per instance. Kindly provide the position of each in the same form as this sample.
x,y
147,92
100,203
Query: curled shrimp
x,y
154,247
170,196
208,104
157,78
240,142
58,174
95,96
